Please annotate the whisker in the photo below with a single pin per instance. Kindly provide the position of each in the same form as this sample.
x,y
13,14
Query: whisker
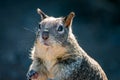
x,y
31,30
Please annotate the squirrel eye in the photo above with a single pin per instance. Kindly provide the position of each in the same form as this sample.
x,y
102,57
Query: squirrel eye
x,y
60,29
39,26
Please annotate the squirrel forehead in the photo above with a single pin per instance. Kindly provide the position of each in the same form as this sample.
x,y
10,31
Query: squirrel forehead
x,y
51,21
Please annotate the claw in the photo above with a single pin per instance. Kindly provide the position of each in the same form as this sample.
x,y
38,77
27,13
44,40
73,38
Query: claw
x,y
32,75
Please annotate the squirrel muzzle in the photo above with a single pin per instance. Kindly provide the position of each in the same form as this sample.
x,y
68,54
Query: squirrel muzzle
x,y
45,35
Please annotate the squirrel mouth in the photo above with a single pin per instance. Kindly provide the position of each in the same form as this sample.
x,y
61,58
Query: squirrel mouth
x,y
46,44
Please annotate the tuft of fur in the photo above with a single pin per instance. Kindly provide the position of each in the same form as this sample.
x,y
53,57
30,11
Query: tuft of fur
x,y
62,58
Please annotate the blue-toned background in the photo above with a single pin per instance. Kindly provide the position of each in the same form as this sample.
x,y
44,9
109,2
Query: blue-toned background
x,y
96,26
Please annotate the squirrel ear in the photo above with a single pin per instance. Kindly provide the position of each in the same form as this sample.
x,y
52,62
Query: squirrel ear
x,y
68,19
41,13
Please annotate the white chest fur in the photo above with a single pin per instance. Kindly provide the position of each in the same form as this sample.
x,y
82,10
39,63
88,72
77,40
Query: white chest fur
x,y
48,54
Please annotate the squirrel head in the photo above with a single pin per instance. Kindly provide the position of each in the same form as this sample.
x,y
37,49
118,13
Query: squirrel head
x,y
54,31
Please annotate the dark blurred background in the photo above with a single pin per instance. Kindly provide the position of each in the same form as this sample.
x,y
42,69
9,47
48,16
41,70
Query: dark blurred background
x,y
96,26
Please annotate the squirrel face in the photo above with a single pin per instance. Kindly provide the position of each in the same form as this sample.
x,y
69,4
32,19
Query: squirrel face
x,y
54,31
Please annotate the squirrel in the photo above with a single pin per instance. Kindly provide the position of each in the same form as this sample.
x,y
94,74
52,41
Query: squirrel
x,y
56,54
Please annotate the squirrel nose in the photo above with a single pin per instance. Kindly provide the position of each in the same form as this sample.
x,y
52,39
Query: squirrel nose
x,y
45,35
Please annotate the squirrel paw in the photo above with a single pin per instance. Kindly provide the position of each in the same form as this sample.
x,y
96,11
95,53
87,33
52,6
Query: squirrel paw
x,y
32,75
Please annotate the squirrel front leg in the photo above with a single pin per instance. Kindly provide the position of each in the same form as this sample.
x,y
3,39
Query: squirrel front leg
x,y
36,71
